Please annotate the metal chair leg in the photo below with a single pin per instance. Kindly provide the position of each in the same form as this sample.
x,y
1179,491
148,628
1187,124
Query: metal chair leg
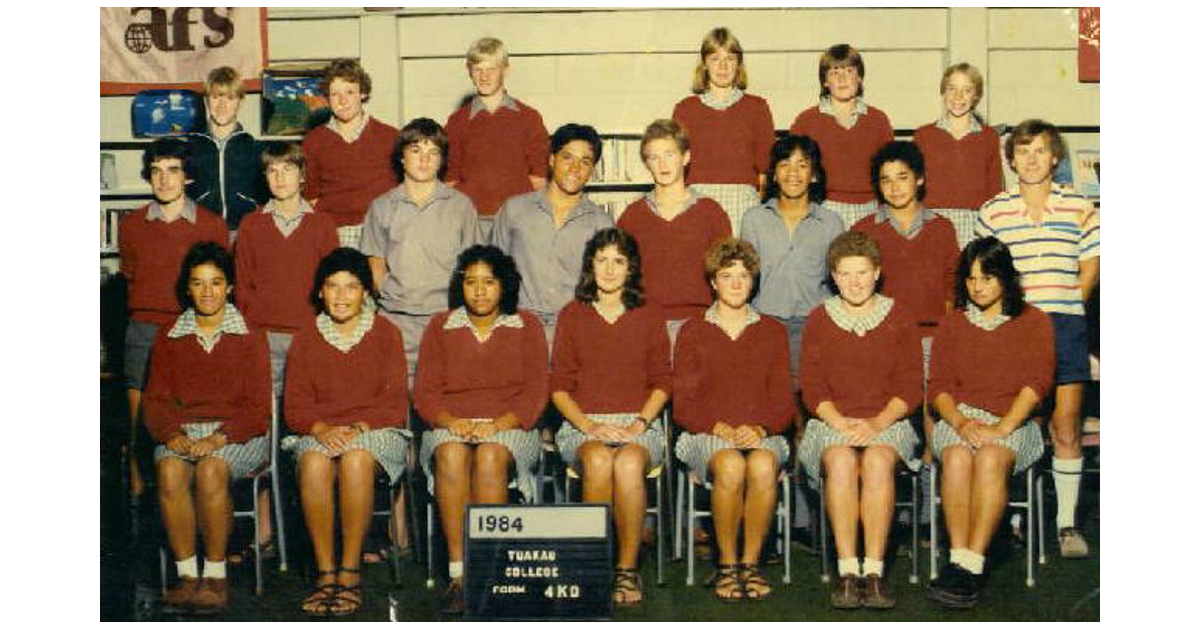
x,y
661,530
823,538
691,534
935,500
258,572
1029,579
1041,518
429,583
915,507
786,484
679,515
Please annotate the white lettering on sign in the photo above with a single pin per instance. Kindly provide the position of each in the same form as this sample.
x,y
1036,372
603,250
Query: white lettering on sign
x,y
531,572
545,522
532,555
562,591
509,589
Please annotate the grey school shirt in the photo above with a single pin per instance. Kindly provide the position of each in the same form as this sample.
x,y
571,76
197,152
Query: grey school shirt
x,y
420,244
548,257
792,278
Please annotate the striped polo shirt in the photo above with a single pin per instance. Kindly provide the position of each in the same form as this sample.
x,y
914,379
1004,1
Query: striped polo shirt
x,y
1047,255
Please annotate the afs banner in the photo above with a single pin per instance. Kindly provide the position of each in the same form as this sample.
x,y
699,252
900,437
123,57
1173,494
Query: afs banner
x,y
145,48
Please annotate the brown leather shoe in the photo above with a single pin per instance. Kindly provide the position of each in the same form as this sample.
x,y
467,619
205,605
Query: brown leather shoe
x,y
875,593
846,594
179,598
454,602
212,597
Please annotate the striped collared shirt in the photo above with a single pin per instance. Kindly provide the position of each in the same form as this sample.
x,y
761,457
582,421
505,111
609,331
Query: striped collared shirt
x,y
478,106
825,106
155,211
231,324
345,344
1046,254
354,133
459,319
975,125
285,224
735,95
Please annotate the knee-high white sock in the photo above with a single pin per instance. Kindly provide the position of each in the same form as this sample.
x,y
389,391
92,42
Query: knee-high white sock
x,y
187,568
1067,474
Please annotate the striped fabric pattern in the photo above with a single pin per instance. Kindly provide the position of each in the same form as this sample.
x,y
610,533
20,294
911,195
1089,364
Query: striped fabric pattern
x,y
818,436
524,446
734,199
858,324
569,439
232,323
350,235
1047,255
696,449
242,458
330,333
389,447
1026,441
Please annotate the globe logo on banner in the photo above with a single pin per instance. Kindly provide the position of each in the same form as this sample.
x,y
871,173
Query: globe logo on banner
x,y
137,38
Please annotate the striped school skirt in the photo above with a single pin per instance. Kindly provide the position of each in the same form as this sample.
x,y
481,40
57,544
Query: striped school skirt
x,y
242,458
697,449
734,199
524,446
851,212
389,447
818,436
1026,441
569,439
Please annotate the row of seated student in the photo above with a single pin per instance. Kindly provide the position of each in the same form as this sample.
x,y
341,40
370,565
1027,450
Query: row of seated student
x,y
414,231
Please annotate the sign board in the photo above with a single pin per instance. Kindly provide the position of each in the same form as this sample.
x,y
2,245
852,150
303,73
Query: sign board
x,y
538,561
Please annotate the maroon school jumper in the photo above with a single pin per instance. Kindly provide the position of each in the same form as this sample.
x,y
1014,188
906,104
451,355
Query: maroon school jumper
x,y
367,384
918,273
962,173
492,155
846,153
742,381
151,254
275,272
673,254
468,379
728,146
232,385
860,375
987,369
342,178
610,368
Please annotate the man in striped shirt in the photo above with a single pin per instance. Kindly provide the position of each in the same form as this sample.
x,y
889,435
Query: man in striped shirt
x,y
1054,235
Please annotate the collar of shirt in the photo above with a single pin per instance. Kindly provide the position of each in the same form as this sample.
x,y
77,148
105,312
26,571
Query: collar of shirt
x,y
478,106
943,123
585,206
735,95
772,204
345,344
272,208
914,228
976,316
232,324
825,106
752,317
440,191
155,213
237,128
459,319
355,133
692,198
1018,202
859,324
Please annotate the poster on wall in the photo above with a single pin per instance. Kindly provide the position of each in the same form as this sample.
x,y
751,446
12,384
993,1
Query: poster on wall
x,y
1089,44
145,48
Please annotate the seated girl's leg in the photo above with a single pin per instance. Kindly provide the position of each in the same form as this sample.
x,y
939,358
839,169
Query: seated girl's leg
x,y
596,468
878,500
762,475
175,501
316,474
489,483
989,494
452,489
842,498
356,496
728,470
957,464
214,506
629,501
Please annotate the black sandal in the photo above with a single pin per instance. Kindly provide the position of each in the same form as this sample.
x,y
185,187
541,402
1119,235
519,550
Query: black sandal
x,y
626,581
728,579
321,596
753,582
349,596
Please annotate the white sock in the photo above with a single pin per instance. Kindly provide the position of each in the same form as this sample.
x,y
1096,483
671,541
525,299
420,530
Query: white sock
x,y
187,568
871,566
849,566
214,570
971,561
1067,474
956,555
456,570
